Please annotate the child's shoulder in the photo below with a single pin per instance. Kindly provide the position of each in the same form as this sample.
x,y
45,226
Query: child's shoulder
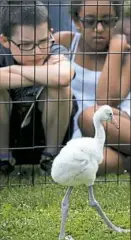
x,y
3,53
6,58
2,49
58,49
64,38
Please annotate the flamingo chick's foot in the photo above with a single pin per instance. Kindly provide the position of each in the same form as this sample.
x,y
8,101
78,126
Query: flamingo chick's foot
x,y
121,230
66,238
95,204
69,238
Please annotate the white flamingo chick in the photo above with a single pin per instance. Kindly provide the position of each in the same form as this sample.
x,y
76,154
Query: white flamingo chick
x,y
78,162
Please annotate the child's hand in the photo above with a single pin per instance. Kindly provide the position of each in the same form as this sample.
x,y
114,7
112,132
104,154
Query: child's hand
x,y
12,69
16,69
119,43
55,59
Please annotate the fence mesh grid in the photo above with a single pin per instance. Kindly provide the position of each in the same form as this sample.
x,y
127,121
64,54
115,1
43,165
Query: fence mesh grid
x,y
30,97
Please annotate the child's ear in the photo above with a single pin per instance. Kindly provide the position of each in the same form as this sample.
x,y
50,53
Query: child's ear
x,y
4,41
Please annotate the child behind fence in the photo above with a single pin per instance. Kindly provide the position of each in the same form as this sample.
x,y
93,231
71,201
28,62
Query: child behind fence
x,y
32,66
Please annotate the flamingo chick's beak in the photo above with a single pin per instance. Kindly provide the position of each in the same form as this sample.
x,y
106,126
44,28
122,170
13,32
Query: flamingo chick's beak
x,y
115,123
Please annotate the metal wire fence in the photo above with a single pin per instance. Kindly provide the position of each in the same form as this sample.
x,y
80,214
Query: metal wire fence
x,y
36,114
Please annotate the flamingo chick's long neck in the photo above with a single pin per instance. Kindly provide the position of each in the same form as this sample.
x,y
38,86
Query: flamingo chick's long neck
x,y
99,132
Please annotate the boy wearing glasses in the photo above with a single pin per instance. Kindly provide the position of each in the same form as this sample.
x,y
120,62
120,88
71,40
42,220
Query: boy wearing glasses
x,y
35,76
101,77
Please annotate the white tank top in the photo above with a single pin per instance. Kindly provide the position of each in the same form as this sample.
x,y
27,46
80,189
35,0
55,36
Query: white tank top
x,y
84,87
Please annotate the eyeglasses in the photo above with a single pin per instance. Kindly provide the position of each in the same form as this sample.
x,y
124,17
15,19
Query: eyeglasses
x,y
107,22
42,44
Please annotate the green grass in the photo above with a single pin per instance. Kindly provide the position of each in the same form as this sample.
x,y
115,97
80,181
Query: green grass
x,y
33,213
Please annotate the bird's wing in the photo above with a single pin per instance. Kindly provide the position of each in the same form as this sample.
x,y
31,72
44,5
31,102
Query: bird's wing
x,y
69,162
73,166
87,147
74,169
77,162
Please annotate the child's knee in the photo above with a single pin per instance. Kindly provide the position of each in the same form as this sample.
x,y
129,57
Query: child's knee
x,y
4,95
55,96
5,106
60,93
86,116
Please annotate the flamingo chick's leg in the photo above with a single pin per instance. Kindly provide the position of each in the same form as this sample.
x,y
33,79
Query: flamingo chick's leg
x,y
95,204
64,212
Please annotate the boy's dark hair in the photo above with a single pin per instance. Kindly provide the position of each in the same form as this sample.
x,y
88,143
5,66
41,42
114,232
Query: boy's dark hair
x,y
77,4
19,13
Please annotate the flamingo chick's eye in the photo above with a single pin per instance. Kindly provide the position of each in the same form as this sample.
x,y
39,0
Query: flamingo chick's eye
x,y
111,115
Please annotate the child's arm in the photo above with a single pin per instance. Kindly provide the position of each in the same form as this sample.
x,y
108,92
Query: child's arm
x,y
64,38
12,80
114,82
59,72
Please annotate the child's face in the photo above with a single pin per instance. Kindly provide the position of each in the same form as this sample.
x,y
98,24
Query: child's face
x,y
99,20
22,44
